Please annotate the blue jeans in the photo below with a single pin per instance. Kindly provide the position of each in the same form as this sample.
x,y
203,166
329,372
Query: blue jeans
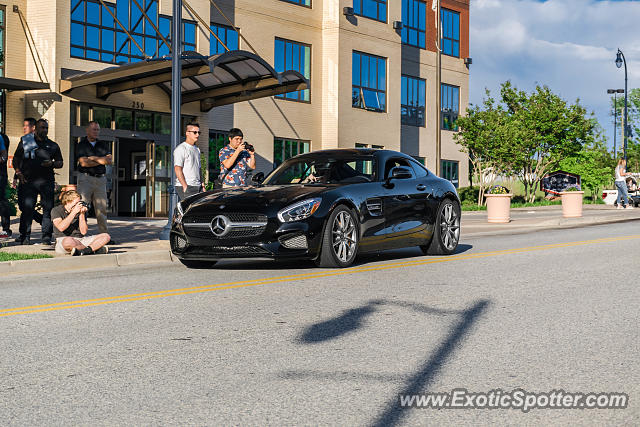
x,y
622,192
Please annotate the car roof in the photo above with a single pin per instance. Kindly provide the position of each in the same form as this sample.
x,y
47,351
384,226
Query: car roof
x,y
355,152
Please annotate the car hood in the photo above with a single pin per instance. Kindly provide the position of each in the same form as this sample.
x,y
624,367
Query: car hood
x,y
254,198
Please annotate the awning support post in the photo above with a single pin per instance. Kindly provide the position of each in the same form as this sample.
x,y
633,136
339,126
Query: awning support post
x,y
176,103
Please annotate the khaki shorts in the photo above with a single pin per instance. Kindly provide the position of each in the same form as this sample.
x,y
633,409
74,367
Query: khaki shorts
x,y
86,241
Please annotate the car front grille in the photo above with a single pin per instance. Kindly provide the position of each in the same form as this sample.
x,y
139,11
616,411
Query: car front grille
x,y
200,226
233,216
229,250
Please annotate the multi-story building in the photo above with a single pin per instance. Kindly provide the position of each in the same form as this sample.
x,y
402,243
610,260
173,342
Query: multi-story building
x,y
371,67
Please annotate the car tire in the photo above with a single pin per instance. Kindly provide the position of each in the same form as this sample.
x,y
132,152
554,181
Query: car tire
x,y
446,230
198,264
340,239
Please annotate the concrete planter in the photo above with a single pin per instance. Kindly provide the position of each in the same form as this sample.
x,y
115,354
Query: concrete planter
x,y
498,207
571,203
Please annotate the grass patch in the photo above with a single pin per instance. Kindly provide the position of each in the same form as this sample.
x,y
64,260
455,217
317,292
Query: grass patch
x,y
9,256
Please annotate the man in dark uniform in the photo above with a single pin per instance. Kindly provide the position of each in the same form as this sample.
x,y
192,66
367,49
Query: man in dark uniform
x,y
5,213
28,130
93,156
34,161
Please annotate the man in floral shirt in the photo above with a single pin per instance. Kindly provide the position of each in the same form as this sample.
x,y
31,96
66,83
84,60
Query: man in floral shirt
x,y
236,159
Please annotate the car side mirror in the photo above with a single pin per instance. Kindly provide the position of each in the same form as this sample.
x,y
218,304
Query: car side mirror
x,y
258,178
400,172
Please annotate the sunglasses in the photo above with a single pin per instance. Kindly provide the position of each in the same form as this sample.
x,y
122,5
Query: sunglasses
x,y
195,131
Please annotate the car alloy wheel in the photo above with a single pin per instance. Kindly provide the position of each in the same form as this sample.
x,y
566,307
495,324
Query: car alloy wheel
x,y
449,227
344,235
340,239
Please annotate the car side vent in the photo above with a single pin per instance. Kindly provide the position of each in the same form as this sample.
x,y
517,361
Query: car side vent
x,y
374,206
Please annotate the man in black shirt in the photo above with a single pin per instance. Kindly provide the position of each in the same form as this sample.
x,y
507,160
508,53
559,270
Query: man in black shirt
x,y
93,156
5,213
34,161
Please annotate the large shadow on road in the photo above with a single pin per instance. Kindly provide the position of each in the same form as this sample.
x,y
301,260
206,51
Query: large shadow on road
x,y
351,320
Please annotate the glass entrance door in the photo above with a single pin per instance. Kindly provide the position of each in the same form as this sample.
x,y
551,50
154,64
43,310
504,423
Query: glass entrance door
x,y
158,177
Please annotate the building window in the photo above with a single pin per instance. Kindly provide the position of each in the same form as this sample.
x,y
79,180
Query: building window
x,y
95,35
228,35
217,140
450,101
414,23
369,82
450,41
284,149
449,171
374,9
306,3
412,104
290,55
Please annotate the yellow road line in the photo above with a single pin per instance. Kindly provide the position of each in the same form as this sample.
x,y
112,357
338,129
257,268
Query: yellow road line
x,y
293,277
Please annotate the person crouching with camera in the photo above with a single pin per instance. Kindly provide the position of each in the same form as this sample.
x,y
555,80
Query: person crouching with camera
x,y
236,159
70,228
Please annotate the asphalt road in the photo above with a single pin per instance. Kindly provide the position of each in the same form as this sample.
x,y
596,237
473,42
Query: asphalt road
x,y
259,343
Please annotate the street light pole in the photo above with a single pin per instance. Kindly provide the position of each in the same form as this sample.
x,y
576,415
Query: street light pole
x,y
176,103
620,59
615,117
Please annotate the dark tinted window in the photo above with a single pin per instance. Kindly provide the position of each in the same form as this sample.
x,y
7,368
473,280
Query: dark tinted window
x,y
419,170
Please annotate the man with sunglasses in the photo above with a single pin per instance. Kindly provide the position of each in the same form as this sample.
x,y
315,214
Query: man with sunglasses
x,y
186,162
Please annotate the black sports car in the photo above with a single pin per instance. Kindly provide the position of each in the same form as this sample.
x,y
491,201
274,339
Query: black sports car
x,y
326,206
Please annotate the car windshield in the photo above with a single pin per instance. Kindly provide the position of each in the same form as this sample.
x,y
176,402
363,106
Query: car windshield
x,y
310,170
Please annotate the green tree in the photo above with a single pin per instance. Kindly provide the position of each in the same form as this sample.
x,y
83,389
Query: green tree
x,y
485,133
593,163
546,131
633,107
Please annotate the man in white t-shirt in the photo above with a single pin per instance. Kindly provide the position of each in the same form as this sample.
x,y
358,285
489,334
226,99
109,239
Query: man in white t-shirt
x,y
186,162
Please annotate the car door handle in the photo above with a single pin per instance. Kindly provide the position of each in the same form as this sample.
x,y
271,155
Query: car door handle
x,y
421,187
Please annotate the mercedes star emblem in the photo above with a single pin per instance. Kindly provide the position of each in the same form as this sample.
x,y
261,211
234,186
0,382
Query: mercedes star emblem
x,y
220,225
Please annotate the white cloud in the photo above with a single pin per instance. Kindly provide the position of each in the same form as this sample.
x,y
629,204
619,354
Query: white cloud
x,y
569,45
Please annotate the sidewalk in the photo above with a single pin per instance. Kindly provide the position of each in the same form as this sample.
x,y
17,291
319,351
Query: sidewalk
x,y
138,241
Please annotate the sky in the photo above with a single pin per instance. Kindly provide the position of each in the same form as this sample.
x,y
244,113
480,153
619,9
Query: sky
x,y
568,45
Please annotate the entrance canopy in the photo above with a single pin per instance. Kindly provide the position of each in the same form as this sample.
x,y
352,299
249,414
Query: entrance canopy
x,y
17,84
222,79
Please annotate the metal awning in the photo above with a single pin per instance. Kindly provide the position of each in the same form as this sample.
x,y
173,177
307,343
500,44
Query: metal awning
x,y
213,81
18,84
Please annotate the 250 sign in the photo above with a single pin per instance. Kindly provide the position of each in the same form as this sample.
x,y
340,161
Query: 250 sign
x,y
136,105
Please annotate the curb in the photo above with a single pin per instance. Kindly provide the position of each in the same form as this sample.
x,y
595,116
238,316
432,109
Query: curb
x,y
59,264
552,224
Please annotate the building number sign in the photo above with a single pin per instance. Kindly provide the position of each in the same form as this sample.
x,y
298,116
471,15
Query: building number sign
x,y
136,105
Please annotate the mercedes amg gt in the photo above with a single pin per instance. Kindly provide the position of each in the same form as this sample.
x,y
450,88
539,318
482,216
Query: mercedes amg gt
x,y
327,206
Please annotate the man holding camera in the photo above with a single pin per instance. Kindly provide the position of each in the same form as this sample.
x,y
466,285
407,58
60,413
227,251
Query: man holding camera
x,y
236,159
70,221
186,163
34,161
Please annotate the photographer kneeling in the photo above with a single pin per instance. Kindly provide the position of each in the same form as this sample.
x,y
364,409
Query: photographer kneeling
x,y
70,227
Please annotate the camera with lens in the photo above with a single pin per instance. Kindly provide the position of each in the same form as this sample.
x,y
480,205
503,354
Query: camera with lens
x,y
249,147
83,204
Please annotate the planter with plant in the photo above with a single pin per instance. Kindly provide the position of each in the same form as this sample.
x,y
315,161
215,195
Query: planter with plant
x,y
498,204
572,201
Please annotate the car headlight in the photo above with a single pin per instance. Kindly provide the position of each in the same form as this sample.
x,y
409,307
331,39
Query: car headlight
x,y
178,213
300,210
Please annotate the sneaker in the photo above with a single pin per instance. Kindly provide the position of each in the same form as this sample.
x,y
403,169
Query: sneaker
x,y
4,235
102,251
44,243
75,252
619,207
629,207
112,242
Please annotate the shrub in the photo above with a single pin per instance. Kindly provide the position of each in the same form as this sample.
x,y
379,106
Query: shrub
x,y
469,194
